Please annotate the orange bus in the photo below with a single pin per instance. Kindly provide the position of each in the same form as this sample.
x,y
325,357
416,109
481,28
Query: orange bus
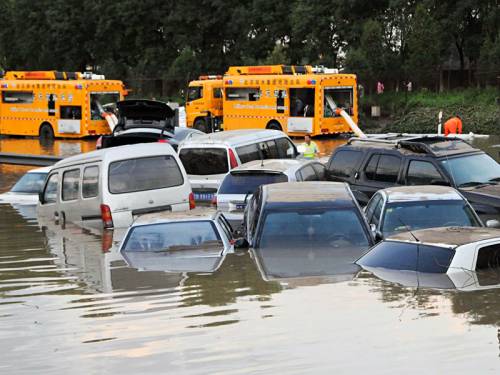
x,y
56,104
296,99
204,103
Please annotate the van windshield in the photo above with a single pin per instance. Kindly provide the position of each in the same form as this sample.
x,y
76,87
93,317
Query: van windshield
x,y
204,161
248,182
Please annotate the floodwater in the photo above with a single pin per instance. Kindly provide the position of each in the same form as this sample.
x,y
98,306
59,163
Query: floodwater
x,y
70,303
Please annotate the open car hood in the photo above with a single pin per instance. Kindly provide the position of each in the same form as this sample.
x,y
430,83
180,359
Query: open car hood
x,y
143,113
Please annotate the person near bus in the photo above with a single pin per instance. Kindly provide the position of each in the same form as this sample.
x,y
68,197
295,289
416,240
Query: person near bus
x,y
453,126
310,148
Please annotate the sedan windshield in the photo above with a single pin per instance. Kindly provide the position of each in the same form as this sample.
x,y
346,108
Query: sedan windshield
x,y
30,183
404,216
331,228
173,236
472,170
247,183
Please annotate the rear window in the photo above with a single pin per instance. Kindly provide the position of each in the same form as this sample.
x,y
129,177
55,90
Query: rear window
x,y
247,183
408,257
344,162
172,236
204,161
157,172
488,257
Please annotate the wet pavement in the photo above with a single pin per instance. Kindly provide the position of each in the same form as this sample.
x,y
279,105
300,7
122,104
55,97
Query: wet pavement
x,y
70,302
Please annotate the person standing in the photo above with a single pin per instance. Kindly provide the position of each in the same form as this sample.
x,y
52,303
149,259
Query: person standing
x,y
453,126
310,148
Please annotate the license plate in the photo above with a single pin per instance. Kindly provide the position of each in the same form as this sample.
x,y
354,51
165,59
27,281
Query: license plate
x,y
203,196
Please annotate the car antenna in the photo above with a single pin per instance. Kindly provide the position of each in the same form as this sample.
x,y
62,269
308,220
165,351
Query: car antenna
x,y
408,229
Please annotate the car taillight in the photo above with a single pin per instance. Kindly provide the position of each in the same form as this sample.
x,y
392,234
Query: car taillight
x,y
232,159
106,217
98,144
192,203
214,201
163,141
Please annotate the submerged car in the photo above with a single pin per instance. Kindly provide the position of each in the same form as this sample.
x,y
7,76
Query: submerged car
x,y
403,208
174,232
27,188
437,250
369,165
240,183
307,215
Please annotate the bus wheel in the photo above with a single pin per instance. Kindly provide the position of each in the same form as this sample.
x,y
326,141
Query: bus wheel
x,y
274,125
46,131
200,125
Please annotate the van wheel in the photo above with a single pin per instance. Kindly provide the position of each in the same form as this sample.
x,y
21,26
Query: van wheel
x,y
274,125
201,125
46,131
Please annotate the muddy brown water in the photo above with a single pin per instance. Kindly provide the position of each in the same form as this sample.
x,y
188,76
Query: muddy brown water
x,y
69,303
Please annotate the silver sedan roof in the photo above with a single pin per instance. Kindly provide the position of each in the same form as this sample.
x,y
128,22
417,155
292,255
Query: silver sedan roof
x,y
421,193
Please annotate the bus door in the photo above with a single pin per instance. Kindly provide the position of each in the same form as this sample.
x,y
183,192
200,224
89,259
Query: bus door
x,y
302,103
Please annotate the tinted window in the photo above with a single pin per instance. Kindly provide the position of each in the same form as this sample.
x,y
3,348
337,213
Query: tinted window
x,y
50,193
204,161
388,168
427,214
269,150
307,174
172,236
17,97
488,257
248,153
392,255
286,148
195,92
157,172
344,163
405,256
334,229
422,173
247,183
90,182
473,169
30,183
371,167
320,170
71,112
70,185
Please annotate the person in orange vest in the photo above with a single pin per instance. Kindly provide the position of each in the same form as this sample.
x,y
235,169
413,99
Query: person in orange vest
x,y
453,126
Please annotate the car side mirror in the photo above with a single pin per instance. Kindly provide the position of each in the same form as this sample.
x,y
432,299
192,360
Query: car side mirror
x,y
241,243
493,223
40,197
377,235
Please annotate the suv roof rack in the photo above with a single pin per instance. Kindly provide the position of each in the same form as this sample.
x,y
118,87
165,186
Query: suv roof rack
x,y
424,144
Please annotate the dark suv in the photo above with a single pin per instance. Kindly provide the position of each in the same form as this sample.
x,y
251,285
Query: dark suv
x,y
377,163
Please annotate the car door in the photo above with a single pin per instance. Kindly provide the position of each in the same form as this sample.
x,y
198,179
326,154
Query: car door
x,y
379,171
423,172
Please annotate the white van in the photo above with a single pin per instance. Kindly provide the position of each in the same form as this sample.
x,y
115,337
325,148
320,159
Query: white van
x,y
113,186
208,158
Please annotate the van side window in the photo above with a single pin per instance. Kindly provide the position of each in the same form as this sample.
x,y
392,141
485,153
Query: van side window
x,y
422,173
155,172
344,163
70,185
50,192
286,148
90,183
248,153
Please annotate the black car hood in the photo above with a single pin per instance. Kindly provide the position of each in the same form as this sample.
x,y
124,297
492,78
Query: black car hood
x,y
144,110
491,191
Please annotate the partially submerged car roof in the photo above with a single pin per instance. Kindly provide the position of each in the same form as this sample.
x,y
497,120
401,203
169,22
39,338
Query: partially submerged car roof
x,y
448,236
317,193
235,137
421,193
272,165
199,213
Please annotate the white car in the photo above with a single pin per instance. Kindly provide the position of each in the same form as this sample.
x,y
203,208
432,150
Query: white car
x,y
179,234
26,189
240,183
447,250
